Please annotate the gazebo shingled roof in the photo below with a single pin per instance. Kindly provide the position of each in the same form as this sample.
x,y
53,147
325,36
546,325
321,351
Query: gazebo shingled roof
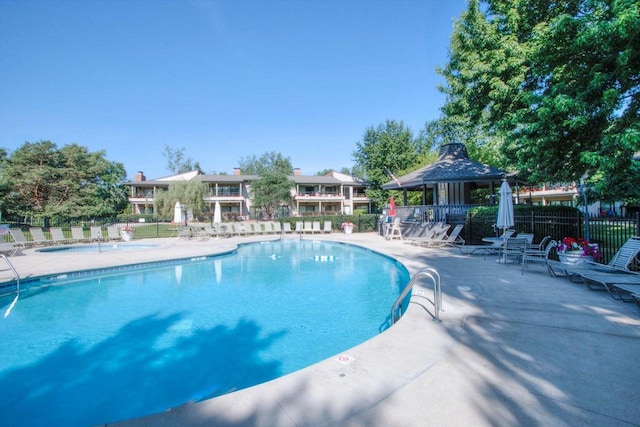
x,y
453,165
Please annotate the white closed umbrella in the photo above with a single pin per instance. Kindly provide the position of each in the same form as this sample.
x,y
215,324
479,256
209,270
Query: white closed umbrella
x,y
505,218
177,213
217,214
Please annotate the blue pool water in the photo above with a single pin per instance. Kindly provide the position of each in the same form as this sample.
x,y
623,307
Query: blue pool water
x,y
100,348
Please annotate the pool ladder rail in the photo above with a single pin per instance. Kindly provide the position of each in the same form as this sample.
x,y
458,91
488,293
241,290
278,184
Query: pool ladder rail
x,y
396,308
17,278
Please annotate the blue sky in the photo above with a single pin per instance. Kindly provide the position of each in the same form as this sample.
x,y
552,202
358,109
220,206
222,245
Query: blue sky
x,y
223,79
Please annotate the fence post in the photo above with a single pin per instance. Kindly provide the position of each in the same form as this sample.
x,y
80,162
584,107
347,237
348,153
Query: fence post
x,y
637,223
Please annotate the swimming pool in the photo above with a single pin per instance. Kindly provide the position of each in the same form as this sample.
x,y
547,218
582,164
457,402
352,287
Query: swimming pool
x,y
103,247
86,350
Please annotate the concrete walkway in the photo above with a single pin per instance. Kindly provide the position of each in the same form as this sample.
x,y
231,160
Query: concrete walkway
x,y
511,350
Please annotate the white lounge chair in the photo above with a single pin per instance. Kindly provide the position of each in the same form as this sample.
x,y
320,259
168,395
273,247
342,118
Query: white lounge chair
x,y
286,227
315,227
95,233
113,233
19,238
38,236
58,237
327,227
77,234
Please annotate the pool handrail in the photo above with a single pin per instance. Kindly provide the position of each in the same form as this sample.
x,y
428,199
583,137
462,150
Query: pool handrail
x,y
17,276
437,294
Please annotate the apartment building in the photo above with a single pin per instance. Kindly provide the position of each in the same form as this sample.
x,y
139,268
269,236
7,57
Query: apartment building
x,y
334,193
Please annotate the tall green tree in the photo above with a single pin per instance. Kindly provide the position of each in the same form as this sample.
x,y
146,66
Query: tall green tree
x,y
388,148
190,194
38,179
270,191
556,83
267,162
178,161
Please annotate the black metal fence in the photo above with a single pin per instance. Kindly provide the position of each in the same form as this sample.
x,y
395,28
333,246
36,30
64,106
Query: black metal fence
x,y
610,233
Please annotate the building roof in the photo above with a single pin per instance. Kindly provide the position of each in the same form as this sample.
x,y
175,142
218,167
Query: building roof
x,y
453,165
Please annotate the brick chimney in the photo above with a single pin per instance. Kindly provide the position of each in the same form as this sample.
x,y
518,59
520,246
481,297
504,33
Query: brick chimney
x,y
140,177
296,172
236,171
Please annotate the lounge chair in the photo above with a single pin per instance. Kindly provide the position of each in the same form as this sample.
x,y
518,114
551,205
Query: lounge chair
x,y
19,238
254,228
299,227
9,249
38,236
315,227
185,232
241,229
307,227
277,227
269,227
435,235
77,234
113,233
327,227
609,282
597,276
286,227
95,233
620,262
628,292
58,237
454,239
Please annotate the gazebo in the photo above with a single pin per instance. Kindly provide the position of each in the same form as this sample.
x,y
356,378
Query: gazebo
x,y
451,178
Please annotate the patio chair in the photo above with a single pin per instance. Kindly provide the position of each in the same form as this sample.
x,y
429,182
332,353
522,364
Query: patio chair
x,y
113,233
515,247
315,227
241,229
19,238
628,292
454,239
9,249
434,235
307,226
95,233
541,255
286,227
541,245
184,232
327,227
610,281
299,227
277,227
58,237
77,234
495,243
620,262
38,236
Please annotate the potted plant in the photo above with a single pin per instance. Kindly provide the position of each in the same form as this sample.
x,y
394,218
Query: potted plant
x,y
126,233
573,250
347,227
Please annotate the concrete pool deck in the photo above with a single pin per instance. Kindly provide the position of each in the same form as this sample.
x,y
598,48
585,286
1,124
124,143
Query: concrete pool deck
x,y
511,350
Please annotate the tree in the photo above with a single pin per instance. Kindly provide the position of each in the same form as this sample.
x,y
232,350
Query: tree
x,y
555,83
268,162
189,193
389,148
270,191
177,162
38,179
